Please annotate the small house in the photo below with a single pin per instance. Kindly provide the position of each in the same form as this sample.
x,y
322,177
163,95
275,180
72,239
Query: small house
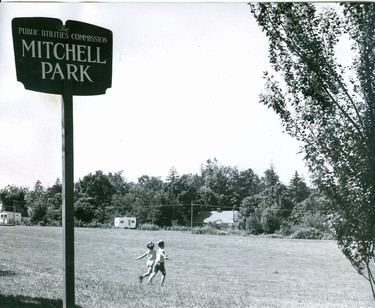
x,y
214,217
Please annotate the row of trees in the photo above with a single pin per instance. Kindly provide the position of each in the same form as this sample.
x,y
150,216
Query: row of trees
x,y
264,204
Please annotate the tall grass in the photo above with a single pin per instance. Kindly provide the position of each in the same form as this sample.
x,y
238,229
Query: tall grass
x,y
207,271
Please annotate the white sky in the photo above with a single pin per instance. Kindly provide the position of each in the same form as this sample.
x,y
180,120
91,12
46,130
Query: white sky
x,y
185,85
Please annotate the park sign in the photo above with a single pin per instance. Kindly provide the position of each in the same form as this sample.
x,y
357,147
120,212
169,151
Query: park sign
x,y
70,59
49,53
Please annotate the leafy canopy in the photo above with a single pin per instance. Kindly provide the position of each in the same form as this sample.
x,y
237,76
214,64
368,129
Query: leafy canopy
x,y
329,106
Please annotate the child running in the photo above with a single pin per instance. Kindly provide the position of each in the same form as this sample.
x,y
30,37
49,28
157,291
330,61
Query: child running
x,y
151,256
159,263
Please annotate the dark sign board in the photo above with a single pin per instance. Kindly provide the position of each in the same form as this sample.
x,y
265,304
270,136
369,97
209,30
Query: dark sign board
x,y
47,52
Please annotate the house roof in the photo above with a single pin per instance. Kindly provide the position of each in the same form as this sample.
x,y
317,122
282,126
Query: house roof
x,y
225,217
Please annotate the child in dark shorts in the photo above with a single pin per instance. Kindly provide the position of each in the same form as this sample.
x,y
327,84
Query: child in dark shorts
x,y
159,263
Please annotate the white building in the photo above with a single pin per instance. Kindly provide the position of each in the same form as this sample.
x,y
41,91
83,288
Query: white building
x,y
126,222
10,218
216,217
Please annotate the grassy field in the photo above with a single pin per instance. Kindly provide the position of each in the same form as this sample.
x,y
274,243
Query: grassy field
x,y
204,271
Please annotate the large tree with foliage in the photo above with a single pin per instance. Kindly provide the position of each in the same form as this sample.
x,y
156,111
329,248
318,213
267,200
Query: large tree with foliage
x,y
37,204
146,198
328,104
175,212
13,198
99,188
266,211
54,203
298,189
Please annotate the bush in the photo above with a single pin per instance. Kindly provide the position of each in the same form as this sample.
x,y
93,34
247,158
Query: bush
x,y
177,228
254,223
288,228
26,221
308,233
55,223
93,224
78,223
237,232
210,230
217,226
149,227
270,220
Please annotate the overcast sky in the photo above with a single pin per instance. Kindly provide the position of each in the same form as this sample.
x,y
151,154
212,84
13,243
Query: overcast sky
x,y
185,85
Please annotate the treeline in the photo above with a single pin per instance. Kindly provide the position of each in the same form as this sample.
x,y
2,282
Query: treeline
x,y
263,203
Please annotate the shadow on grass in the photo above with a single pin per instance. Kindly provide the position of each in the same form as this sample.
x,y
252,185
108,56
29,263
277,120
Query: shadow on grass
x,y
20,301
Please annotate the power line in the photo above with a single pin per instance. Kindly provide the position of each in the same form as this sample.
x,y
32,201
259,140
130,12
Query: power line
x,y
184,205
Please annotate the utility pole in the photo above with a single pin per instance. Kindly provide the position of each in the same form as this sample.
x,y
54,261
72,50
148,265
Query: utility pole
x,y
14,211
191,216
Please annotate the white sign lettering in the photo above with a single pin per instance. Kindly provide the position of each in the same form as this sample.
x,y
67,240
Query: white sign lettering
x,y
48,52
59,51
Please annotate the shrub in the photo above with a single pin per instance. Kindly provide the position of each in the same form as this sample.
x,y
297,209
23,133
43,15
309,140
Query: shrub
x,y
254,224
287,229
93,224
149,227
217,226
55,223
237,232
308,233
26,221
78,223
205,230
210,230
177,228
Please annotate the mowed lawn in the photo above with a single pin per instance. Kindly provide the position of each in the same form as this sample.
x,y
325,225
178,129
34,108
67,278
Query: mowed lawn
x,y
203,271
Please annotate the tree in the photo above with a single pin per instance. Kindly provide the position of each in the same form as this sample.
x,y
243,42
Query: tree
x,y
271,178
146,198
12,196
245,183
37,201
189,186
119,205
310,212
329,107
54,203
84,210
217,188
275,205
249,215
99,187
298,189
174,212
266,210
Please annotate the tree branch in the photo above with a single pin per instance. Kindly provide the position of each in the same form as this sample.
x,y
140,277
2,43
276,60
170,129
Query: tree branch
x,y
295,46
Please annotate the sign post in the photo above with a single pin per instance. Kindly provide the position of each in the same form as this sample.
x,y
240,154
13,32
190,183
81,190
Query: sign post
x,y
70,59
68,194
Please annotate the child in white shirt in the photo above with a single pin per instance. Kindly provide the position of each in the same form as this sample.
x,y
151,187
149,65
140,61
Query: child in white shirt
x,y
159,263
